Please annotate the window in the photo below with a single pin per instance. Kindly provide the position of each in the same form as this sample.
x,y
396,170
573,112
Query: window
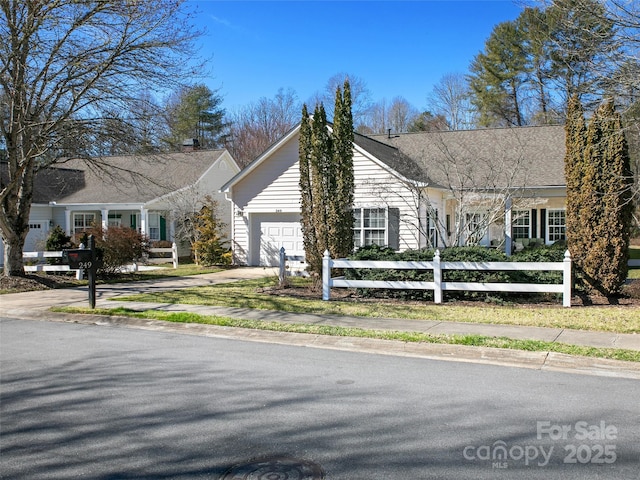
x,y
432,226
83,222
115,220
476,226
521,224
369,226
154,226
556,222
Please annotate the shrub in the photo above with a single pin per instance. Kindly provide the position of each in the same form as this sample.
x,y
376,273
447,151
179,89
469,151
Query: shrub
x,y
374,252
56,241
553,253
209,247
118,246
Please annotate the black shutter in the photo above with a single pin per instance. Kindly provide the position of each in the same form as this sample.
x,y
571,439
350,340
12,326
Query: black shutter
x,y
394,228
543,224
534,223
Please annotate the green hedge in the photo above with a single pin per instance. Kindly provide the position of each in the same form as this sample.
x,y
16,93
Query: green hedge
x,y
454,254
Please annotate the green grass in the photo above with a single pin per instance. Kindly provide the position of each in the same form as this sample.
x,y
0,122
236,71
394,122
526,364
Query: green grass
x,y
252,294
412,337
163,271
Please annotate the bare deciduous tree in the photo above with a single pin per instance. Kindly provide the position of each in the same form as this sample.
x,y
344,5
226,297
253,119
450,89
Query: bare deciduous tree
x,y
450,98
360,94
66,67
483,177
256,126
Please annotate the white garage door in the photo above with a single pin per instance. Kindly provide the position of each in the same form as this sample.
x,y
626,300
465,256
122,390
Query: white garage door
x,y
277,234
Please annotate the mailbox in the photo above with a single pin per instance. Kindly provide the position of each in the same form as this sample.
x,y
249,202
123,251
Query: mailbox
x,y
79,258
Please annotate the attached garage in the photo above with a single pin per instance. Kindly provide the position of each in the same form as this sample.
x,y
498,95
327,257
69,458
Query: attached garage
x,y
271,232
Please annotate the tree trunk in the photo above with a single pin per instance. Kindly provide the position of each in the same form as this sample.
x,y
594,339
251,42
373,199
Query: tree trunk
x,y
13,263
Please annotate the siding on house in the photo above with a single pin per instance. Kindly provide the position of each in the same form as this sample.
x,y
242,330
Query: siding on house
x,y
273,186
377,187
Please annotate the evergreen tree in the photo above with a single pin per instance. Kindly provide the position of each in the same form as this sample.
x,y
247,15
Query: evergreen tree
x,y
195,113
341,211
606,206
581,37
322,182
498,77
576,132
306,197
207,242
326,182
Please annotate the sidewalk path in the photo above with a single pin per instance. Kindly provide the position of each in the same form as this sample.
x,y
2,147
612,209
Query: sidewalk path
x,y
36,304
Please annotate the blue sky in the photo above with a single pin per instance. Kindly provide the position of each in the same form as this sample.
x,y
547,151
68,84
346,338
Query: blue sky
x,y
397,47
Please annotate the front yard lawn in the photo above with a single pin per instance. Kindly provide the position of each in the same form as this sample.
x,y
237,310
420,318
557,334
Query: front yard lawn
x,y
263,294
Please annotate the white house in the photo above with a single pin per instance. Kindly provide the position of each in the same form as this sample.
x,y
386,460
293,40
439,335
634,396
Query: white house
x,y
413,190
141,192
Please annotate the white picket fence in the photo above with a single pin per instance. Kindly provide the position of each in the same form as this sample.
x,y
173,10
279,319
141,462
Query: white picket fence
x,y
38,260
438,286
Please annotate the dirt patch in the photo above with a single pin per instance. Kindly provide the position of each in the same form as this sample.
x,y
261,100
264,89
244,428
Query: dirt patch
x,y
30,283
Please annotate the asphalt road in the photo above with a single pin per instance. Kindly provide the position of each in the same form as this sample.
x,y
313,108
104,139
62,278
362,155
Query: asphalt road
x,y
83,401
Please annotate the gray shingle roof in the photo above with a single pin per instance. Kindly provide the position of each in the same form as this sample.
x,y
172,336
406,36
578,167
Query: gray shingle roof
x,y
490,158
392,157
125,179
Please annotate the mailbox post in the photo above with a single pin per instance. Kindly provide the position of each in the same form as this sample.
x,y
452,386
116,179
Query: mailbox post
x,y
86,259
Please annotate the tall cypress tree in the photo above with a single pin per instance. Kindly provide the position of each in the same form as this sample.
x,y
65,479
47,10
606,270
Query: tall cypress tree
x,y
575,144
322,182
606,202
341,211
326,182
306,197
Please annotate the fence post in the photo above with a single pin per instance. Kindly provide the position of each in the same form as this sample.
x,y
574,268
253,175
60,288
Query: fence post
x,y
281,273
80,272
326,276
437,278
174,254
566,280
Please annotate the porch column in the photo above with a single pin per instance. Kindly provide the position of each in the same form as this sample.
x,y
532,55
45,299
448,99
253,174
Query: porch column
x,y
172,229
507,226
144,221
67,222
105,218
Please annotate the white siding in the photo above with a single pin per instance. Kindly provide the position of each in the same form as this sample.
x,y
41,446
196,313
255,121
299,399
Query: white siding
x,y
273,186
377,187
240,237
219,174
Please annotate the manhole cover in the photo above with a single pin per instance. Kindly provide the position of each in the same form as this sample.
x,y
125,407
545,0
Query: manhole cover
x,y
275,468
